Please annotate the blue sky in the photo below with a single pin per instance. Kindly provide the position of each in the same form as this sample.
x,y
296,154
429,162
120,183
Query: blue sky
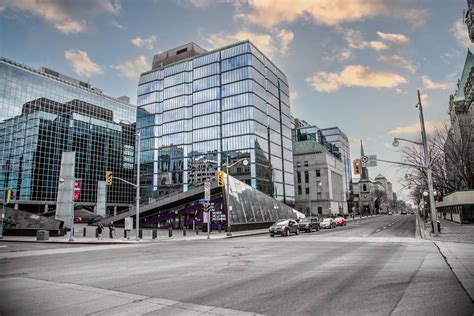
x,y
355,64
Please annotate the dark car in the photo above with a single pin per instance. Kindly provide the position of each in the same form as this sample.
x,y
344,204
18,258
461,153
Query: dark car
x,y
308,224
284,227
94,220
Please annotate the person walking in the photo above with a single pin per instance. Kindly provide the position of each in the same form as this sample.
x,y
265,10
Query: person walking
x,y
100,229
111,230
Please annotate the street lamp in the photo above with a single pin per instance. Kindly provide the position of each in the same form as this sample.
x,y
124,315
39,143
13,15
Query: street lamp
x,y
319,184
427,162
245,162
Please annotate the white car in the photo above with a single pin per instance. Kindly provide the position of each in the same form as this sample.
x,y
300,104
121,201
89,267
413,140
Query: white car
x,y
390,213
328,223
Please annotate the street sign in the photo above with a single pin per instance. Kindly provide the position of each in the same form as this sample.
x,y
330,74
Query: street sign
x,y
369,161
207,190
128,223
205,217
203,202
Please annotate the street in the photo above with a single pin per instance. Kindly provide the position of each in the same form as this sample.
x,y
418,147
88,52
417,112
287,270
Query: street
x,y
371,266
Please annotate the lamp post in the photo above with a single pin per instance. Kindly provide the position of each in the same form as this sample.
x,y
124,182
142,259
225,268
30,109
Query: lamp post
x,y
319,184
427,162
245,162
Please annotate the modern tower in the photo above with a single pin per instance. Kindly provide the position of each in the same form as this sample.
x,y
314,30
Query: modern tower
x,y
197,109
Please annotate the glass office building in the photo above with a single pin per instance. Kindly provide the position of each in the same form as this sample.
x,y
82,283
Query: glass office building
x,y
42,114
198,108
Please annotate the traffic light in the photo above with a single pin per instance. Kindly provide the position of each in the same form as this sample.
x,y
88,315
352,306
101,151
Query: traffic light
x,y
439,197
108,177
220,178
356,164
205,207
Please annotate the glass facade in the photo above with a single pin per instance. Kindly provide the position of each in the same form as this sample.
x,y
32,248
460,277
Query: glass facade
x,y
195,113
42,115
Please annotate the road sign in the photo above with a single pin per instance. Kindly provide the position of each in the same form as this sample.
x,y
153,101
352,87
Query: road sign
x,y
207,190
128,223
369,161
205,217
203,202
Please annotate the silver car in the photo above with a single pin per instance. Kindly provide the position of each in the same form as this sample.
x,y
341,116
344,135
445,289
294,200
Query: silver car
x,y
328,223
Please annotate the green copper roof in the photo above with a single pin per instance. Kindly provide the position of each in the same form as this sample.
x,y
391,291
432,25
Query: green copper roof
x,y
309,146
459,95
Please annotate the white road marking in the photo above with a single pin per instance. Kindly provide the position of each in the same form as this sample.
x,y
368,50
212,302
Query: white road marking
x,y
60,251
377,230
3,246
385,227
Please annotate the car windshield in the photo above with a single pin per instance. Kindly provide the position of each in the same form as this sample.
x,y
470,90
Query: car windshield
x,y
282,223
305,220
326,220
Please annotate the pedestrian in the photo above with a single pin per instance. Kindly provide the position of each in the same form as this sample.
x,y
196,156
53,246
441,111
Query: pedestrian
x,y
100,229
111,229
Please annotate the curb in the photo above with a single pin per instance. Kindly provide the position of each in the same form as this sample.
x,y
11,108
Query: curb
x,y
245,235
74,242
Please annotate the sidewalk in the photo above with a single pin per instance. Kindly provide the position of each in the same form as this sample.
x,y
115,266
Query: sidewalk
x,y
456,244
147,236
460,258
450,231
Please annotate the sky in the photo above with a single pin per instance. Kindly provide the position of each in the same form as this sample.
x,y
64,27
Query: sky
x,y
355,64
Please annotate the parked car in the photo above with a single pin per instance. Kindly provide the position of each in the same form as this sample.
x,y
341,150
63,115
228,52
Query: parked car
x,y
77,219
284,228
403,212
94,220
328,223
309,224
340,221
390,213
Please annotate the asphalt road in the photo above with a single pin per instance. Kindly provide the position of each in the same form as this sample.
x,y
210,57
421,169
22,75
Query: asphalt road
x,y
372,266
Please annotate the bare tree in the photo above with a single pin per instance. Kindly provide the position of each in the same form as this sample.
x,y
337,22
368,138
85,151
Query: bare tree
x,y
451,162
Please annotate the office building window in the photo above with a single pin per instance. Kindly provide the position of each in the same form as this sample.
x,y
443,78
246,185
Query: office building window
x,y
307,191
298,174
299,190
320,210
306,164
298,164
306,176
318,173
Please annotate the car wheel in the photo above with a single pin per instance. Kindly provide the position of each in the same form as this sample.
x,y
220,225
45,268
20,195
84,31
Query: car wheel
x,y
287,232
297,232
317,229
272,235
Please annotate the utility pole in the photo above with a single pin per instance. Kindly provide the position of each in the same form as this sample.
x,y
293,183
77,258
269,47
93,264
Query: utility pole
x,y
138,187
428,167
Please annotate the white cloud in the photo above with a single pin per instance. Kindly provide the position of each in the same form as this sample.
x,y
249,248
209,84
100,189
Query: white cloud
x,y
118,25
285,37
270,13
81,63
387,41
264,41
354,76
429,84
133,67
459,31
425,100
397,39
63,14
398,61
146,42
414,128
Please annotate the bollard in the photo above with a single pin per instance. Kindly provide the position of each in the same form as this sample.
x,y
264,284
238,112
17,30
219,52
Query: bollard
x,y
219,228
184,231
96,233
155,233
140,234
170,232
197,230
84,232
125,233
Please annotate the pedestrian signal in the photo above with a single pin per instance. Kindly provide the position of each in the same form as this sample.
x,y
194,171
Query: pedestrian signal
x,y
220,179
356,164
108,177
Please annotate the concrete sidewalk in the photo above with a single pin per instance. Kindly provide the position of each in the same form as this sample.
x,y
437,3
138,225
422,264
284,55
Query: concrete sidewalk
x,y
450,231
460,258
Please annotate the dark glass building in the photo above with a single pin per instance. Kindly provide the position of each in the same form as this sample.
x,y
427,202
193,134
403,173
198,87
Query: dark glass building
x,y
197,108
42,114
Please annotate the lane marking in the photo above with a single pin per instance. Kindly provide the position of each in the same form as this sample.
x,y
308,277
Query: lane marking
x,y
384,227
377,230
3,246
57,251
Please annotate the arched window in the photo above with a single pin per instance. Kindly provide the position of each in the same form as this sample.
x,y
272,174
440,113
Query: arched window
x,y
364,187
